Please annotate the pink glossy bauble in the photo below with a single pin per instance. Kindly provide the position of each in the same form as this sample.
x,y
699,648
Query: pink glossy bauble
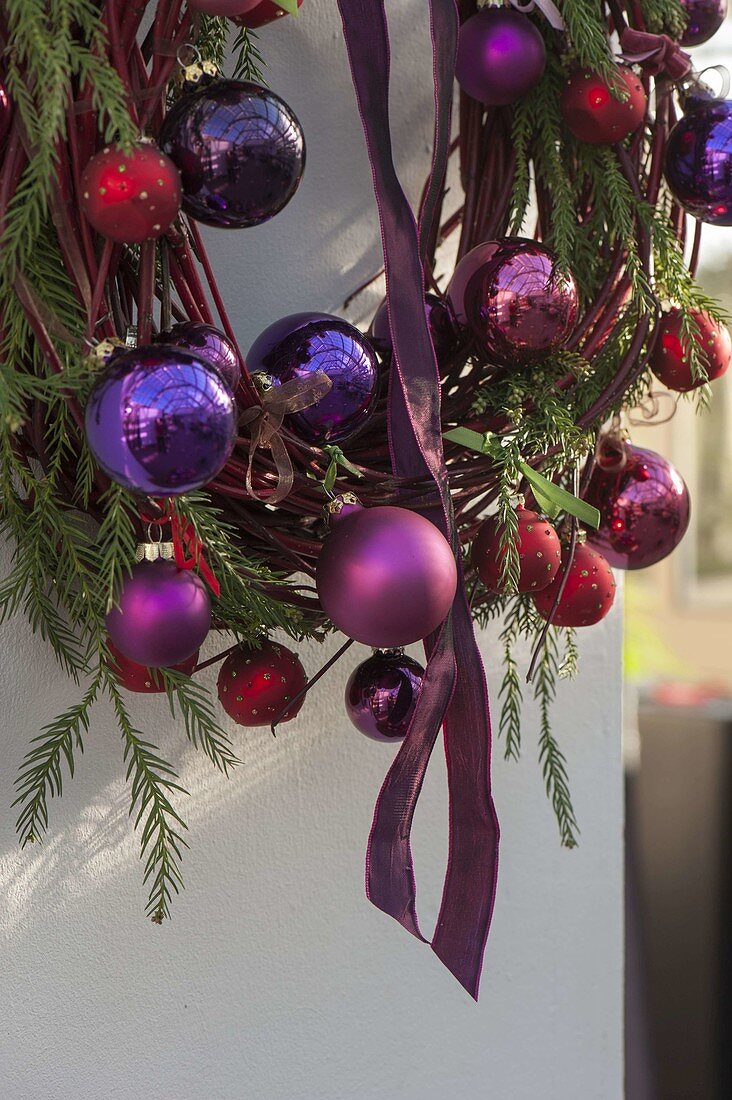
x,y
644,509
517,302
162,615
382,693
223,7
500,57
386,577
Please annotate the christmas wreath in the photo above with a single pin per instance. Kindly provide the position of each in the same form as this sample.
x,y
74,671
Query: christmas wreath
x,y
464,460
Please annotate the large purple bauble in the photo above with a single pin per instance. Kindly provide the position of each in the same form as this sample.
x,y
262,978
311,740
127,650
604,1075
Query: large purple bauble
x,y
386,577
162,616
381,695
705,19
160,420
518,304
240,152
644,510
698,162
439,319
500,57
297,346
207,343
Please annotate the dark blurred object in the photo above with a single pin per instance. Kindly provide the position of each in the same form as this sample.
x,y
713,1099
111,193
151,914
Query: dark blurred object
x,y
679,958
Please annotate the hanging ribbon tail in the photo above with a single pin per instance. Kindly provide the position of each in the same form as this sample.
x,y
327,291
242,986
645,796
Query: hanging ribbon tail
x,y
655,53
454,685
265,421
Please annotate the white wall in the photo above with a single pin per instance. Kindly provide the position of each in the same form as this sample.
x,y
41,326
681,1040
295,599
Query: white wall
x,y
276,979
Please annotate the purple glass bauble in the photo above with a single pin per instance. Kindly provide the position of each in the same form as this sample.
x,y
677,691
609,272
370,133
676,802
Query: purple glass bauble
x,y
644,510
381,695
207,343
698,163
302,343
517,302
240,151
500,57
386,577
162,615
705,19
160,420
439,319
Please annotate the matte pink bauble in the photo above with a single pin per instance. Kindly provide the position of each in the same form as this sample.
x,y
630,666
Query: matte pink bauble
x,y
644,509
500,57
162,615
386,577
223,7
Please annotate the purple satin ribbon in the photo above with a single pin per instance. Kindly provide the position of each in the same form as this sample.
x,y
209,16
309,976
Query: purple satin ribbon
x,y
454,693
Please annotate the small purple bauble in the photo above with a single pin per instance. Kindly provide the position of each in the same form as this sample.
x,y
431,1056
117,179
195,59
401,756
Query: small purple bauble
x,y
644,510
207,343
705,19
381,695
162,616
160,420
518,304
297,346
439,319
240,152
698,163
386,577
500,57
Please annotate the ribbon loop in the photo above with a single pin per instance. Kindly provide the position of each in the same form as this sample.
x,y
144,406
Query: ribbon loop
x,y
548,9
657,54
266,420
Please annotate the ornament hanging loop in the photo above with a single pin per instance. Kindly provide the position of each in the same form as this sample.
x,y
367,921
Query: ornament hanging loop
x,y
547,8
696,89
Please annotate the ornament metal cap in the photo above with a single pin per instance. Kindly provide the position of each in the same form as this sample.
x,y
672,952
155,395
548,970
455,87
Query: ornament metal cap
x,y
336,505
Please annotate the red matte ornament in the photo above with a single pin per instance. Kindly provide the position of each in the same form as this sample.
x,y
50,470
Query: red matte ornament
x,y
539,550
140,679
593,113
670,361
223,7
131,198
588,594
265,12
255,684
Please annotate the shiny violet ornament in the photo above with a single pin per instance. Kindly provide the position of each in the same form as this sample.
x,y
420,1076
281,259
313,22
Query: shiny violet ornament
x,y
160,421
386,577
439,319
381,694
500,57
698,164
705,19
240,151
302,343
207,343
518,304
644,509
162,615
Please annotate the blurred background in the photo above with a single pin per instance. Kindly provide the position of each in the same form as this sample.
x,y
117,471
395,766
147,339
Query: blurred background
x,y
678,749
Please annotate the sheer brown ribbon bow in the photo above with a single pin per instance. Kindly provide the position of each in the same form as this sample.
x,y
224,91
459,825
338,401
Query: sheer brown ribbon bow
x,y
265,422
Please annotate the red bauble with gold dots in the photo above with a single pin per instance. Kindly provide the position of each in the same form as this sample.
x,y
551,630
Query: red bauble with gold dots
x,y
670,361
228,8
131,197
594,114
255,684
264,12
588,594
143,680
538,547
